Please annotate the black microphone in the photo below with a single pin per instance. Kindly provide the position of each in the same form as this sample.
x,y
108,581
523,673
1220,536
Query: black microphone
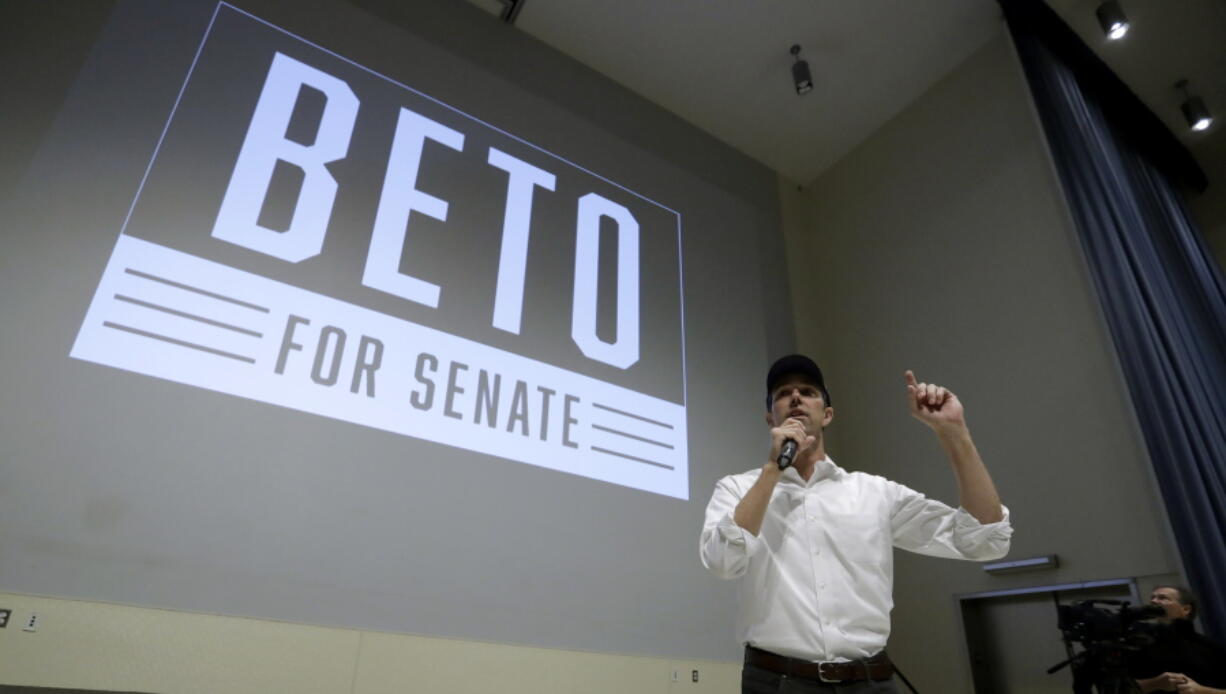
x,y
786,454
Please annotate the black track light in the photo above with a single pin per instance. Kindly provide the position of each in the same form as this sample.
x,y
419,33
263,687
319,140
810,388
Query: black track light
x,y
1194,109
800,72
1112,19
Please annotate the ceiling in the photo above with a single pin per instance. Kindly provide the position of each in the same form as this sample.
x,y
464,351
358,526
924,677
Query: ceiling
x,y
723,65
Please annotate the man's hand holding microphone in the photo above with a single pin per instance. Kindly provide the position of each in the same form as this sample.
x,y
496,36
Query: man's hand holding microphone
x,y
787,440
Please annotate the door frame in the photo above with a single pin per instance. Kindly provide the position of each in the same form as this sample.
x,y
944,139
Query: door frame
x,y
961,601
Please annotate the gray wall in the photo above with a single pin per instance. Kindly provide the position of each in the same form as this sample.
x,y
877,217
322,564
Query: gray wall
x,y
942,245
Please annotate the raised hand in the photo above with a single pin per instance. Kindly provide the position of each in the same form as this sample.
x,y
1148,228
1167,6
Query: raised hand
x,y
933,405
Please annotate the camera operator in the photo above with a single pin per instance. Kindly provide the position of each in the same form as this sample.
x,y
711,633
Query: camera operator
x,y
1181,660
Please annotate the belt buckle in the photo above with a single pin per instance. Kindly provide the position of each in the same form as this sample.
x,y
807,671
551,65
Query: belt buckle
x,y
822,675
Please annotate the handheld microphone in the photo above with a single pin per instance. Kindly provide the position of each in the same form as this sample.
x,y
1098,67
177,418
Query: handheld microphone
x,y
786,453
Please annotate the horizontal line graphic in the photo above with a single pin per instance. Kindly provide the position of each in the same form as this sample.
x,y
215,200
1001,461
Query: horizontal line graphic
x,y
632,436
173,341
204,292
636,416
190,316
630,457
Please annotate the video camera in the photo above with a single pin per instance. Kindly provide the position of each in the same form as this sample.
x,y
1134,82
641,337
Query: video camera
x,y
1108,637
1090,625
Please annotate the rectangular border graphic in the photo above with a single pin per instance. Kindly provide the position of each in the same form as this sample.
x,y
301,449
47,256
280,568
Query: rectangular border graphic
x,y
169,314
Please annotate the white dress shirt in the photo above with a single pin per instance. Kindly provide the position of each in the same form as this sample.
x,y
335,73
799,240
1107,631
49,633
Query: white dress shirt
x,y
817,581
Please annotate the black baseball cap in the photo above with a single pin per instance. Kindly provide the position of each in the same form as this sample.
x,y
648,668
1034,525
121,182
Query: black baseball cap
x,y
795,364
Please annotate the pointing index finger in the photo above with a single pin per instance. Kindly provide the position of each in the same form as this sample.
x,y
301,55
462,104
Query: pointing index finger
x,y
911,378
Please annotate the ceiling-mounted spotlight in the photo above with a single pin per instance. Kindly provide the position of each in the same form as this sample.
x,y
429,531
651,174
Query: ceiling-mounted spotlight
x,y
1194,109
800,72
1111,18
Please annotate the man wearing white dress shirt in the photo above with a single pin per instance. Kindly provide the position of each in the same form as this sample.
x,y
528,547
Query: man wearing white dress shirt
x,y
813,543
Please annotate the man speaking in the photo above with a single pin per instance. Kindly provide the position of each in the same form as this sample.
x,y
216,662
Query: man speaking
x,y
813,543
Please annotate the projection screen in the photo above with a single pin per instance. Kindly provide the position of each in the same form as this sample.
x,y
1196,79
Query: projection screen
x,y
311,316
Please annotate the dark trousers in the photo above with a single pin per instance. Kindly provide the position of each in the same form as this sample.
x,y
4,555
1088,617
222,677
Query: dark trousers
x,y
755,680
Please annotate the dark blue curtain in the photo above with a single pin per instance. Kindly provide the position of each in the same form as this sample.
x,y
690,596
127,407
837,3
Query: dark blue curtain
x,y
1161,291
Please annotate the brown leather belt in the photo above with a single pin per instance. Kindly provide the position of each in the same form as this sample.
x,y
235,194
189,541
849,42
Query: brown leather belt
x,y
875,668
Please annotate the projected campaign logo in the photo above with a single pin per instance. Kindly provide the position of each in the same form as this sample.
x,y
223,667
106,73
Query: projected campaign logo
x,y
315,235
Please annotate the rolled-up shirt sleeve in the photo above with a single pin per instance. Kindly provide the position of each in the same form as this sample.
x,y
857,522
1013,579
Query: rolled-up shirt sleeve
x,y
725,547
927,526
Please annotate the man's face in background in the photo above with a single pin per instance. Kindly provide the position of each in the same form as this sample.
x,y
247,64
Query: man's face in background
x,y
1169,599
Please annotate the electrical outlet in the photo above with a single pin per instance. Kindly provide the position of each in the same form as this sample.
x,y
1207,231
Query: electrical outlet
x,y
31,624
4,617
693,675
